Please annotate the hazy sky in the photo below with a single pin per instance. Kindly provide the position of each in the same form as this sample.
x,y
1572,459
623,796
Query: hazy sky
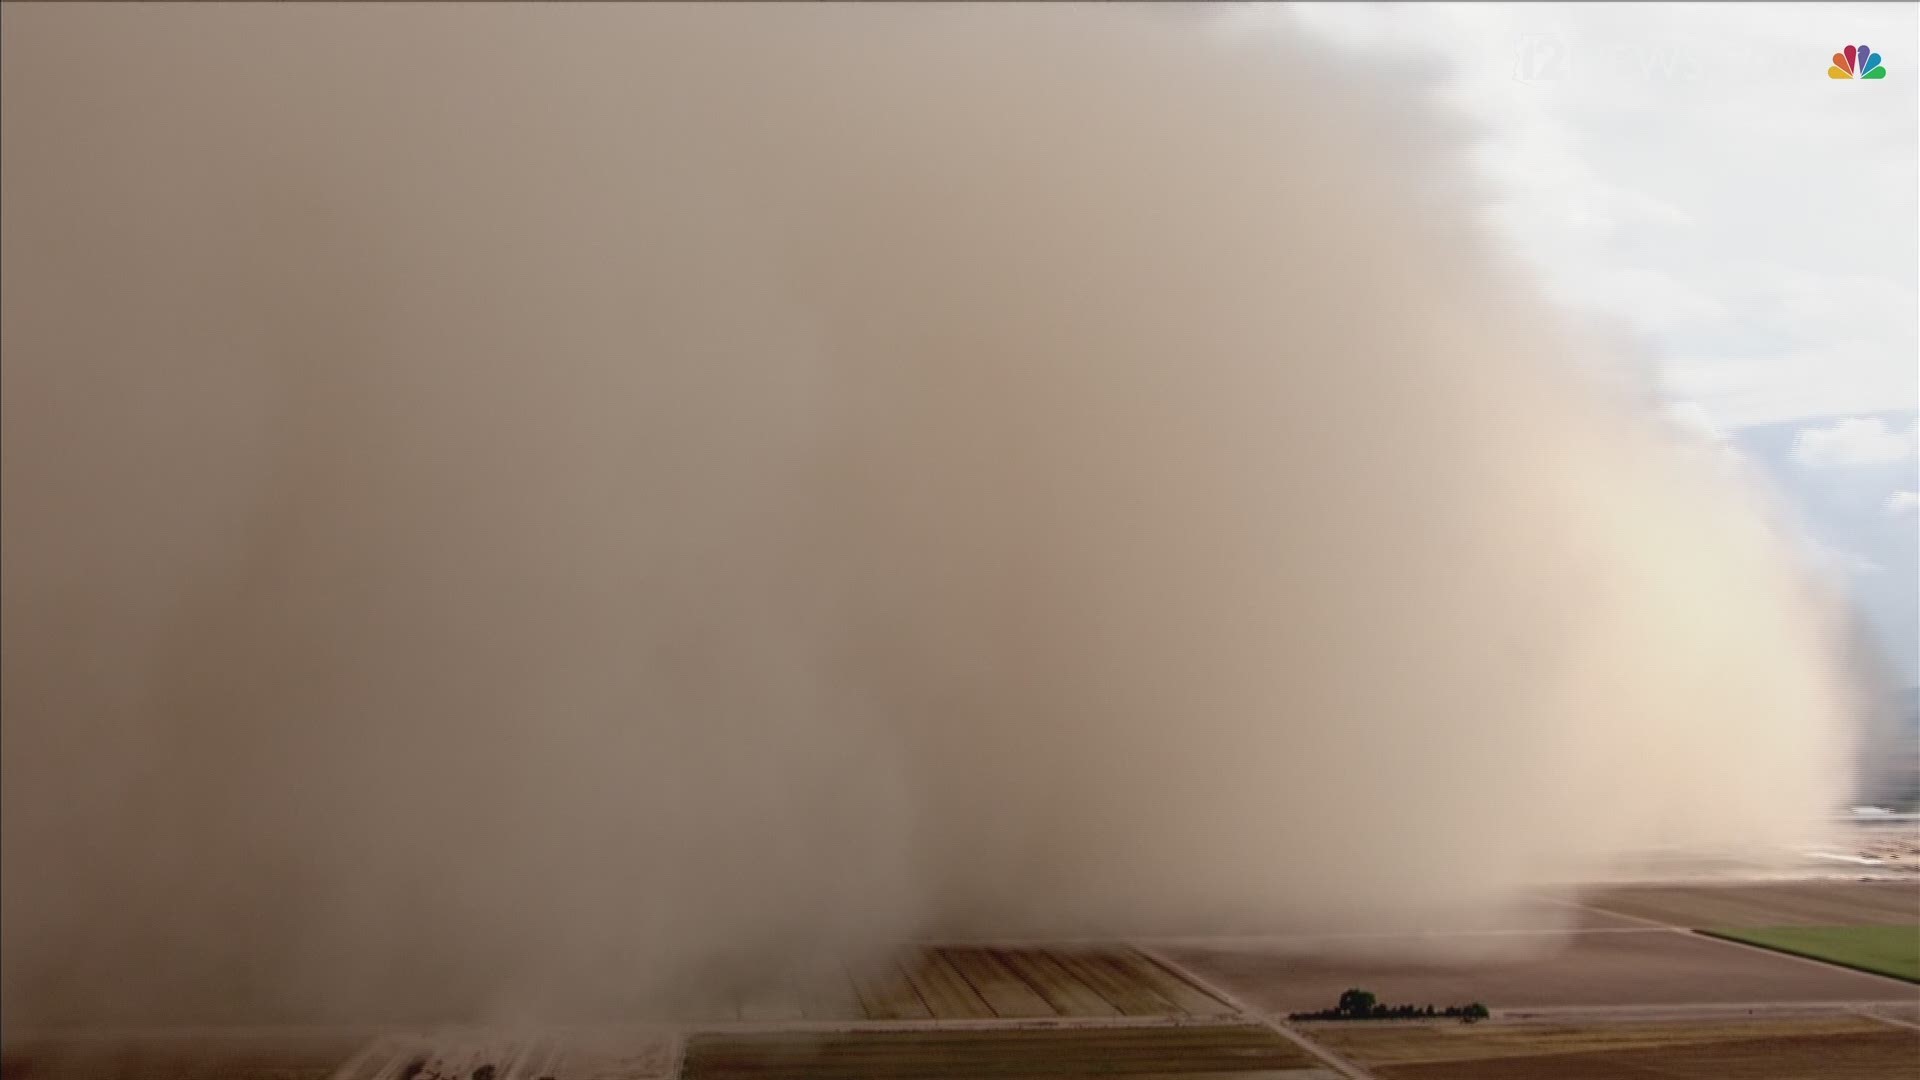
x,y
1690,175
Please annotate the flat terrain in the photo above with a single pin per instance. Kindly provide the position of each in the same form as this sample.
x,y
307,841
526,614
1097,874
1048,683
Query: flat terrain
x,y
1649,966
1243,1052
970,983
1883,950
1840,1048
200,1056
922,983
1609,983
584,1054
1800,903
1904,1012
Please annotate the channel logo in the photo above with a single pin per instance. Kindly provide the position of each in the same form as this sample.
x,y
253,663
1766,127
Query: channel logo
x,y
1856,62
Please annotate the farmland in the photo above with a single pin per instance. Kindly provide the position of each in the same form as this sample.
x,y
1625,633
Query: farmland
x,y
1883,950
1610,983
1200,1052
1802,903
1645,966
1838,1047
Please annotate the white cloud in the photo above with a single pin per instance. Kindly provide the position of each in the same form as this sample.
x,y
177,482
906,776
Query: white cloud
x,y
1650,299
1749,390
1852,441
1698,437
1749,217
1839,564
1902,503
1693,421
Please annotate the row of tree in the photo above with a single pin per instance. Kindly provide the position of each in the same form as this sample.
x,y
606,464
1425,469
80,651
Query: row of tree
x,y
1362,1005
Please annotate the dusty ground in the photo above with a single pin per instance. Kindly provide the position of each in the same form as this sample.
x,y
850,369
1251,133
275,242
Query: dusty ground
x,y
1804,903
1609,967
1198,1052
1629,995
1896,846
1823,1047
260,1055
967,983
1624,950
440,1054
1906,1012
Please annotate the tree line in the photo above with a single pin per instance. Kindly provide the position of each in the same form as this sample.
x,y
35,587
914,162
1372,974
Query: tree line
x,y
1363,1005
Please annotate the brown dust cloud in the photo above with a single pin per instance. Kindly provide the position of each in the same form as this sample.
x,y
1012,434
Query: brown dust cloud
x,y
513,512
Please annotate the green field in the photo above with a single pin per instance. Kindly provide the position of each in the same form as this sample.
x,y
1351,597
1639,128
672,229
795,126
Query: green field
x,y
1883,950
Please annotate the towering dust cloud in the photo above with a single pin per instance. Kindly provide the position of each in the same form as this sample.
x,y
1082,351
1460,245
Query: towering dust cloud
x,y
508,510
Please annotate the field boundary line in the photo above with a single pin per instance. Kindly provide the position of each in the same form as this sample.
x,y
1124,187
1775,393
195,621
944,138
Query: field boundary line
x,y
1827,964
974,1023
1256,940
1691,1010
1895,1021
1350,1069
1703,935
1598,910
1244,940
677,1056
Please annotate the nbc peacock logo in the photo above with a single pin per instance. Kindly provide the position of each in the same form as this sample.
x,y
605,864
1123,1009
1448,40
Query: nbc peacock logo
x,y
1856,62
